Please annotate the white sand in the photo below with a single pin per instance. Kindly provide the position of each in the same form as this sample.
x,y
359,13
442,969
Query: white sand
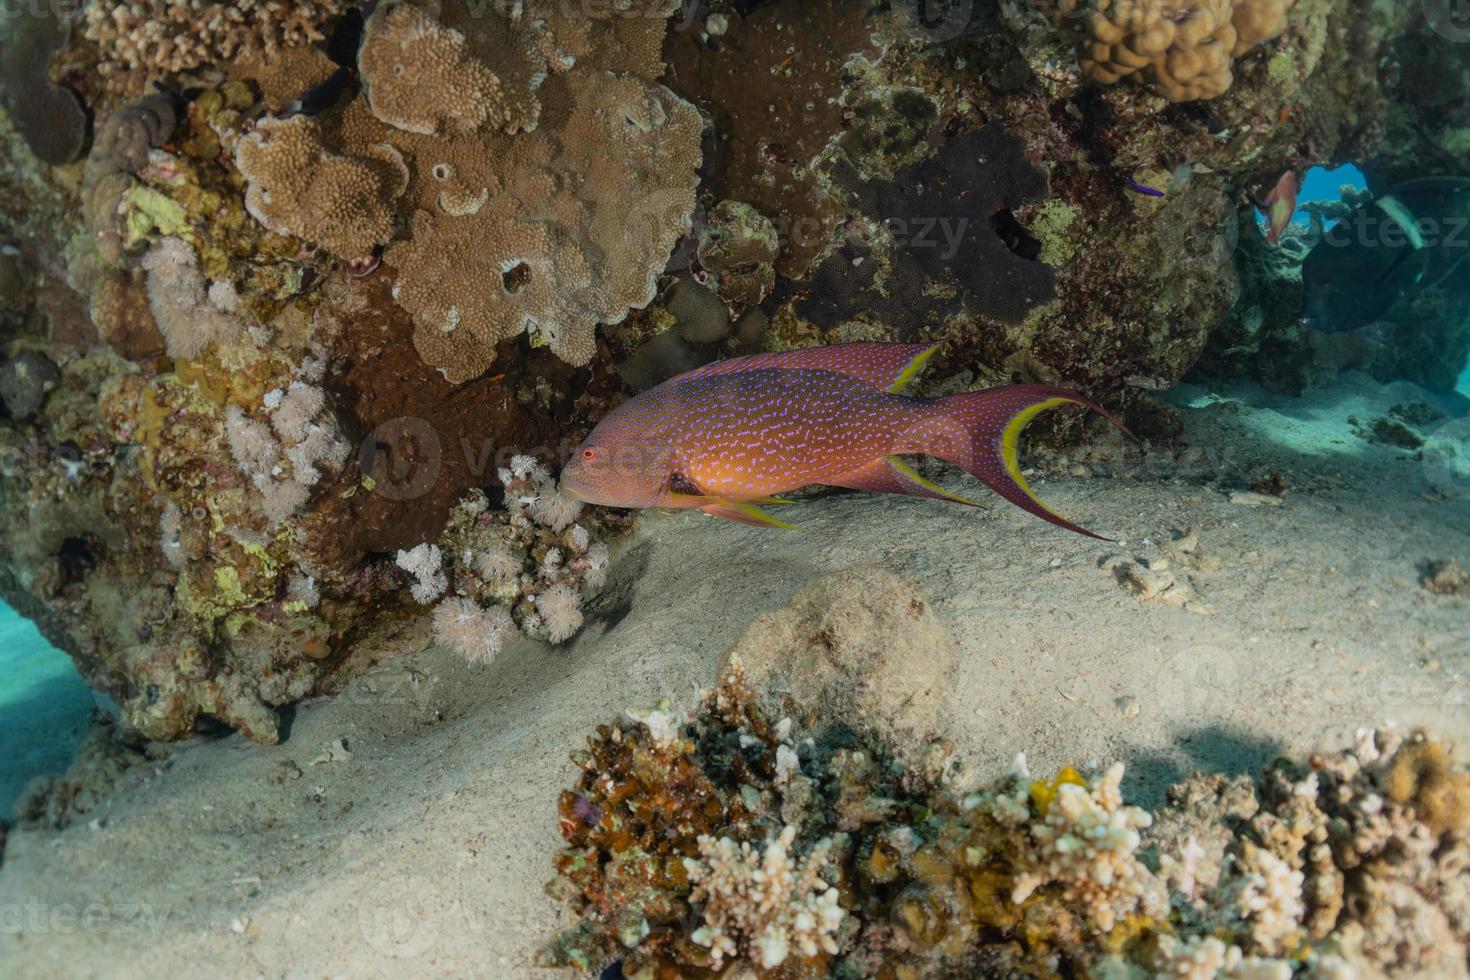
x,y
425,852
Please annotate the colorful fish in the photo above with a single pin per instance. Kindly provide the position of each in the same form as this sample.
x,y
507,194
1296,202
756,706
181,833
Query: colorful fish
x,y
730,436
1279,206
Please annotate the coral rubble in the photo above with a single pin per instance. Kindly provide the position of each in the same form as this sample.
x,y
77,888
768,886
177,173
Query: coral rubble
x,y
730,835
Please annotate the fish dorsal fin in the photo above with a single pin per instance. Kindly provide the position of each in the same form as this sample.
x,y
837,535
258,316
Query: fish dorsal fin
x,y
1401,216
888,367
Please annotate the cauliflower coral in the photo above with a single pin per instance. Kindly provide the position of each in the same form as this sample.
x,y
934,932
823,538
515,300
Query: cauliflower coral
x,y
1183,49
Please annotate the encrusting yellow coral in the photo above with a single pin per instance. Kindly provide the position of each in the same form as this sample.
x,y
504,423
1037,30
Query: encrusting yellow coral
x,y
1183,49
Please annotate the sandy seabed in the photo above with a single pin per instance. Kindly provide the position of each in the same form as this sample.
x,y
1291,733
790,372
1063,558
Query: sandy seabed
x,y
407,827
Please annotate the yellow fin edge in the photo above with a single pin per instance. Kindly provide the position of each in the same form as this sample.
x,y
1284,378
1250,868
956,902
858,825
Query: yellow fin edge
x,y
1010,442
746,507
912,475
911,369
753,512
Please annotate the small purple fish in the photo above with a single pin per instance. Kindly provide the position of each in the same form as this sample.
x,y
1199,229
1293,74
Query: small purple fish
x,y
731,435
1133,185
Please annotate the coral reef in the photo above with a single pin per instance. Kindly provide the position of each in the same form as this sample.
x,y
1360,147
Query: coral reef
x,y
344,205
104,764
25,381
504,193
1183,49
466,238
142,42
526,569
737,251
406,53
120,151
692,842
918,268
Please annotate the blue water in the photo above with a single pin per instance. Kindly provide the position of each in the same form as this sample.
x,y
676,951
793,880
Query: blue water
x,y
44,707
1324,184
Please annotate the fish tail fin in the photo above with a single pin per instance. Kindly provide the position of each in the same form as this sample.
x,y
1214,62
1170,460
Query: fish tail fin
x,y
984,439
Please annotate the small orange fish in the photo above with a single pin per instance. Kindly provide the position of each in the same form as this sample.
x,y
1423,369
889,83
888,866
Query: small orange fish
x,y
732,435
1280,205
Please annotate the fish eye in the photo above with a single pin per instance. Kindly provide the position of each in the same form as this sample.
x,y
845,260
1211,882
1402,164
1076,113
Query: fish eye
x,y
589,454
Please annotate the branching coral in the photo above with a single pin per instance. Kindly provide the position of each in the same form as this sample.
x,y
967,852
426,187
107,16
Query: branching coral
x,y
763,904
146,40
1183,49
1087,842
902,876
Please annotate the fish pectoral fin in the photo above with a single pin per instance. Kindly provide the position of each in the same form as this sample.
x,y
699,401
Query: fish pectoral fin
x,y
892,475
743,512
771,501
